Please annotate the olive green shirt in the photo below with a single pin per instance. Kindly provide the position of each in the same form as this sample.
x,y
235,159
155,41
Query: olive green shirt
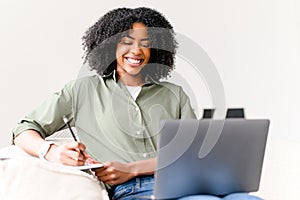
x,y
111,124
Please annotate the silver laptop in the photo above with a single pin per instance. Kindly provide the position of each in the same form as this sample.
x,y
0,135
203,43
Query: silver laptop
x,y
215,157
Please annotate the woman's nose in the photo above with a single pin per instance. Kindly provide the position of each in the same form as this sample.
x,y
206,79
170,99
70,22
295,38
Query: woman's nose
x,y
135,48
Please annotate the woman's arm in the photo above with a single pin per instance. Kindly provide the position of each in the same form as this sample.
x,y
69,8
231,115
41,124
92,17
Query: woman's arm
x,y
115,173
143,167
30,141
68,154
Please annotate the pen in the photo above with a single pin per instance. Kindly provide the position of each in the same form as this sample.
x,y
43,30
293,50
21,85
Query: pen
x,y
65,119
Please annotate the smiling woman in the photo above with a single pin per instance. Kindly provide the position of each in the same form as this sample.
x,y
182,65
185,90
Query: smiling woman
x,y
133,53
153,32
117,113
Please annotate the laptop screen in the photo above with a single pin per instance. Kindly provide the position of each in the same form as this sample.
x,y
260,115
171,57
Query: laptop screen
x,y
233,165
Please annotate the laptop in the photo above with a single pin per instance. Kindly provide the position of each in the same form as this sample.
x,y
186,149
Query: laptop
x,y
231,160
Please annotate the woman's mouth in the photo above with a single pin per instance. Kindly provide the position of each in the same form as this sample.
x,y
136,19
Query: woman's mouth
x,y
134,61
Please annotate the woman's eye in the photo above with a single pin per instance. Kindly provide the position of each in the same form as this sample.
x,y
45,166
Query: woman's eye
x,y
146,45
127,43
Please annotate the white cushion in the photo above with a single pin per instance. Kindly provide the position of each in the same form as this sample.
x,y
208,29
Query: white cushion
x,y
29,178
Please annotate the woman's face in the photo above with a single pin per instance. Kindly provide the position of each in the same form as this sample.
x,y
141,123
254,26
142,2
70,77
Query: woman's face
x,y
133,51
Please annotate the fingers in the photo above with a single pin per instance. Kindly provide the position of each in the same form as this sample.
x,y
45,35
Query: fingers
x,y
107,175
75,156
101,172
89,160
110,179
72,154
113,173
76,145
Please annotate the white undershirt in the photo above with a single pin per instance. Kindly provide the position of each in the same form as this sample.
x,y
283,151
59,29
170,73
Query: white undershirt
x,y
134,91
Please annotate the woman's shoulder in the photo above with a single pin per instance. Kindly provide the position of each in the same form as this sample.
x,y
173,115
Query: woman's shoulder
x,y
83,82
171,86
88,79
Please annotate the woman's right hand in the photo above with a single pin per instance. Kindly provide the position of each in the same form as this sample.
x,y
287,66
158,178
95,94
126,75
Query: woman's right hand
x,y
68,154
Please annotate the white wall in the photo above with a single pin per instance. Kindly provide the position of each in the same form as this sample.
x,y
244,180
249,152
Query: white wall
x,y
255,46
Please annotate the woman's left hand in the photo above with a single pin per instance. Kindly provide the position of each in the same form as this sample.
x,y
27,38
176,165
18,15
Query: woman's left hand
x,y
114,172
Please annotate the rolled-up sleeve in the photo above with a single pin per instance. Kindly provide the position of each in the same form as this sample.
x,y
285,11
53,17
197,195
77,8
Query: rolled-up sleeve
x,y
47,118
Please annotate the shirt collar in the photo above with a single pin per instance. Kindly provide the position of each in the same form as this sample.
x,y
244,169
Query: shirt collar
x,y
112,75
148,80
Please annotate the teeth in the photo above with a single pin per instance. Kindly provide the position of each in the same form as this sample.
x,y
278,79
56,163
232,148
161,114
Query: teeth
x,y
134,61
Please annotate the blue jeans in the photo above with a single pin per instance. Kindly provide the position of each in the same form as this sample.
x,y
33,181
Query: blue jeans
x,y
143,186
134,188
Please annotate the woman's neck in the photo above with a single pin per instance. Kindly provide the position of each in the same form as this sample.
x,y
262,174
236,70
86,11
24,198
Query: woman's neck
x,y
130,80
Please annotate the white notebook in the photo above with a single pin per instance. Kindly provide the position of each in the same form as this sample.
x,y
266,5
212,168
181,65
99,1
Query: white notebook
x,y
85,167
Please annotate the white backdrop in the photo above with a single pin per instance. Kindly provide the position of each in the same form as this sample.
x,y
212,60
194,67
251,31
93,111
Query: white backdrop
x,y
255,46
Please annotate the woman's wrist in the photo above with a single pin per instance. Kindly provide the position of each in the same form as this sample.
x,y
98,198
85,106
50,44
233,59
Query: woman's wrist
x,y
133,169
141,168
52,153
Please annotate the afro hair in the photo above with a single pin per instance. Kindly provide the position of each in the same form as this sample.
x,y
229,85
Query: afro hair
x,y
100,41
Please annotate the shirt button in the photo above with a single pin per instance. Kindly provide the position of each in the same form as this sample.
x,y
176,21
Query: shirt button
x,y
138,132
137,108
144,155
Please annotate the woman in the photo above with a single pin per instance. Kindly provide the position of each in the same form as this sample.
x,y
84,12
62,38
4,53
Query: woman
x,y
118,111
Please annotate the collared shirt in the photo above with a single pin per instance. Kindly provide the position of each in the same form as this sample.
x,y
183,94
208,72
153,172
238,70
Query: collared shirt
x,y
111,124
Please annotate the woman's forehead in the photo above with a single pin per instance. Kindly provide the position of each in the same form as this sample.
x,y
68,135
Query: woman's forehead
x,y
138,30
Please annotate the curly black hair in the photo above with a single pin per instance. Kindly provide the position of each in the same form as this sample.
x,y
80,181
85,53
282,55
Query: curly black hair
x,y
100,41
